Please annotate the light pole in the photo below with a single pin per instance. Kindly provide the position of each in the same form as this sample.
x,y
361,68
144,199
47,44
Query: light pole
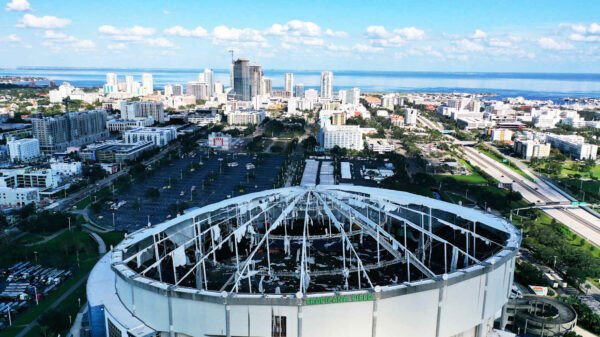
x,y
69,219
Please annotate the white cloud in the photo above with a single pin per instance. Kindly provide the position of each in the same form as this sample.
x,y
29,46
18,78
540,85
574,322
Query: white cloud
x,y
45,22
467,45
498,43
117,46
379,36
295,28
160,42
338,34
479,34
552,44
410,33
13,38
166,12
18,6
378,32
367,49
135,33
180,31
84,44
58,40
584,33
224,33
584,38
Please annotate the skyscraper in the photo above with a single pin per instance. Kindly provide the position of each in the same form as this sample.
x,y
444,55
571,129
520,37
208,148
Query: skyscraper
x,y
147,83
111,79
267,86
241,80
197,89
256,79
299,90
177,90
168,90
288,84
210,81
326,84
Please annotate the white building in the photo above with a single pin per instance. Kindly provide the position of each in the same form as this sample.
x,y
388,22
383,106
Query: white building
x,y
159,136
380,145
326,84
210,81
573,145
529,149
133,110
289,83
351,96
501,135
410,117
311,94
66,168
18,197
120,125
168,90
344,136
147,84
204,119
245,117
63,91
220,141
23,150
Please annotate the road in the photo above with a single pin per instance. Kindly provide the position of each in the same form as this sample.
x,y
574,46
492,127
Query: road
x,y
538,191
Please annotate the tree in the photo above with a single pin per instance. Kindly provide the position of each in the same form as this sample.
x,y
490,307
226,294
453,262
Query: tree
x,y
554,168
152,193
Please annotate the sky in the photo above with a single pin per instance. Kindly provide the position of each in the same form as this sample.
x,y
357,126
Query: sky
x,y
434,35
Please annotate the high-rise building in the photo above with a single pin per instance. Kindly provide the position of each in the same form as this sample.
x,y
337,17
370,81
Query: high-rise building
x,y
326,84
177,90
143,109
147,84
210,81
289,83
71,129
241,80
299,90
168,90
197,89
351,96
218,88
111,79
256,79
410,117
23,150
267,86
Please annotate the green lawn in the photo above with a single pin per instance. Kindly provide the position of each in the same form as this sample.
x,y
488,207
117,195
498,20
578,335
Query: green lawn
x,y
85,202
112,238
503,161
48,253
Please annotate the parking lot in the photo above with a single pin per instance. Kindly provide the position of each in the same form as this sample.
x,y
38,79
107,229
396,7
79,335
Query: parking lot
x,y
211,180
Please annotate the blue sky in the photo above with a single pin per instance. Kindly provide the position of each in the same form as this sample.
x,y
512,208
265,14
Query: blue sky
x,y
452,35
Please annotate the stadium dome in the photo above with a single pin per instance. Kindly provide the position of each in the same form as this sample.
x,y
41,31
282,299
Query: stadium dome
x,y
310,261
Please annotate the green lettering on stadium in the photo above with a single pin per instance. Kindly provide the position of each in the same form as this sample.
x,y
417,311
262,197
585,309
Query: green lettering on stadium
x,y
339,299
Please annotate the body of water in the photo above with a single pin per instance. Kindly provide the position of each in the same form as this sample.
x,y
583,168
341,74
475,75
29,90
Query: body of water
x,y
529,85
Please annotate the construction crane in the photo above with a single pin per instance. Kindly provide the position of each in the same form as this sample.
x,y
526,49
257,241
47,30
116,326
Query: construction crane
x,y
231,52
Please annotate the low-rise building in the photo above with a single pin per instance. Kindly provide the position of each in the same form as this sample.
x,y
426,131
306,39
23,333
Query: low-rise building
x,y
246,117
220,141
380,145
115,151
501,135
204,119
66,168
120,125
573,145
159,136
530,149
18,197
28,177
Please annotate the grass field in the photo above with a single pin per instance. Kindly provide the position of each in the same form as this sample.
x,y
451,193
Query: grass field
x,y
503,161
87,259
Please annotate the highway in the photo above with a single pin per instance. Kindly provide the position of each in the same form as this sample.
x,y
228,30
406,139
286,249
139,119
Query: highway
x,y
577,219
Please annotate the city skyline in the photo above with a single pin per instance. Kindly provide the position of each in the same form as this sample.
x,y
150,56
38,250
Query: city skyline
x,y
387,36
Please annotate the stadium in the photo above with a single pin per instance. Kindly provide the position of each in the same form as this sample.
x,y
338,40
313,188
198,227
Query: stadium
x,y
330,260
